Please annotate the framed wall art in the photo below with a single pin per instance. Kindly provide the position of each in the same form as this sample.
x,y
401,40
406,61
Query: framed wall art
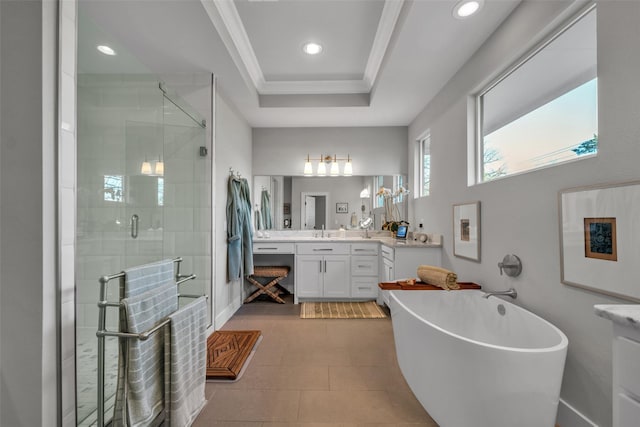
x,y
600,238
466,230
342,207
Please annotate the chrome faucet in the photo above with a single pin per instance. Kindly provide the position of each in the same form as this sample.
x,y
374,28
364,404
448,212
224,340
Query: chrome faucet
x,y
510,293
322,234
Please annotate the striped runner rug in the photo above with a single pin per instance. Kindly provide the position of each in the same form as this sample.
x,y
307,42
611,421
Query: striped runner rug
x,y
341,310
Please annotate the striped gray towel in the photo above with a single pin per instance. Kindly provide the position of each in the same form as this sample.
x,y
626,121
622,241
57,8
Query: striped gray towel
x,y
146,277
144,386
186,360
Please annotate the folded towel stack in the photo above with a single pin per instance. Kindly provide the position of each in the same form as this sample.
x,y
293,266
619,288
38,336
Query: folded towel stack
x,y
437,276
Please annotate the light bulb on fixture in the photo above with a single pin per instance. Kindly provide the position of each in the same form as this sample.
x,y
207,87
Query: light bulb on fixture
x,y
146,168
159,169
308,169
348,168
335,169
322,167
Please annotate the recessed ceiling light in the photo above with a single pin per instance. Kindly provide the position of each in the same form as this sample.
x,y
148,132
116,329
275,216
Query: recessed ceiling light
x,y
466,8
106,50
312,48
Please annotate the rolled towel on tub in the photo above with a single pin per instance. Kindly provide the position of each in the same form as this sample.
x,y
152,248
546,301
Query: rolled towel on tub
x,y
437,276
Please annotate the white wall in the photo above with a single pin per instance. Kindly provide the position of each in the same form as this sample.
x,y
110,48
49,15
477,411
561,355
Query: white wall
x,y
520,213
232,150
28,268
374,150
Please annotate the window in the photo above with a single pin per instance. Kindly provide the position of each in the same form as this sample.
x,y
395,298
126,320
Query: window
x,y
423,165
542,111
114,188
378,181
160,191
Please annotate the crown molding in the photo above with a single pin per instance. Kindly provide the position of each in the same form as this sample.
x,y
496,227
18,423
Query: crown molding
x,y
226,19
388,20
314,87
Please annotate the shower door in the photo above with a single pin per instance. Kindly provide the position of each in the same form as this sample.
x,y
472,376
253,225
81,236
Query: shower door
x,y
144,194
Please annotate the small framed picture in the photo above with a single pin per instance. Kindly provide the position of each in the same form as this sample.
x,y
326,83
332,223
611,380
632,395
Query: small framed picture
x,y
600,238
466,230
286,208
342,207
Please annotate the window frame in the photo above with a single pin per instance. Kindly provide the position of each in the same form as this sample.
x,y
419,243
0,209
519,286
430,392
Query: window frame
x,y
477,98
419,164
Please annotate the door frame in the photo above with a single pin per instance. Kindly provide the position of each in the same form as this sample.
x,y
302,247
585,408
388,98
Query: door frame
x,y
303,196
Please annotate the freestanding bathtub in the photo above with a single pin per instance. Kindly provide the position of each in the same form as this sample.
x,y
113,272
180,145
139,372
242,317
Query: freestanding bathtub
x,y
476,362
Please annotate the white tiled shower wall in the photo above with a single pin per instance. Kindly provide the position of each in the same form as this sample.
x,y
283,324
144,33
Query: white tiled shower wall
x,y
121,123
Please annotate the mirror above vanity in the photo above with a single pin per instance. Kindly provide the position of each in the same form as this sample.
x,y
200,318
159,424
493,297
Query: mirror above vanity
x,y
307,203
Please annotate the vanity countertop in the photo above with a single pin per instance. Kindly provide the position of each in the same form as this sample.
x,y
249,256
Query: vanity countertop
x,y
434,242
622,314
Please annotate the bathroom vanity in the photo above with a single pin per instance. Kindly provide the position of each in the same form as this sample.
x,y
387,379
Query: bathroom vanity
x,y
626,361
343,268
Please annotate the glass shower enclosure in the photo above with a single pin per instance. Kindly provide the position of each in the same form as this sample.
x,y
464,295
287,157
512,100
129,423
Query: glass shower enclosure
x,y
144,194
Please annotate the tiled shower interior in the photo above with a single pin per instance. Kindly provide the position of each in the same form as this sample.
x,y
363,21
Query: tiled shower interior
x,y
139,154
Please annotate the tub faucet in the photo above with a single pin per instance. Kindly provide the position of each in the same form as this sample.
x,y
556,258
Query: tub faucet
x,y
510,293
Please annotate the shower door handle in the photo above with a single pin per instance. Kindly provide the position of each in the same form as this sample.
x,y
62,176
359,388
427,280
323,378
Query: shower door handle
x,y
134,226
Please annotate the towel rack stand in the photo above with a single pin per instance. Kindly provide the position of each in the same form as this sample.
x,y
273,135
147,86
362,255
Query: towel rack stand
x,y
103,332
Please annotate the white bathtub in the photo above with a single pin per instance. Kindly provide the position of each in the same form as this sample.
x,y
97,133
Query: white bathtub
x,y
471,366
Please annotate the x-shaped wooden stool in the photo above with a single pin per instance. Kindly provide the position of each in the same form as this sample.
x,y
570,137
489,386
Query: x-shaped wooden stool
x,y
270,289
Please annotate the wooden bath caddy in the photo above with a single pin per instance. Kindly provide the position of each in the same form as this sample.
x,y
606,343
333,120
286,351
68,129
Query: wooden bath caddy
x,y
421,286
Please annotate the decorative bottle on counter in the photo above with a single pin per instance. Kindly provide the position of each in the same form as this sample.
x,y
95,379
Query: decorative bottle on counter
x,y
354,220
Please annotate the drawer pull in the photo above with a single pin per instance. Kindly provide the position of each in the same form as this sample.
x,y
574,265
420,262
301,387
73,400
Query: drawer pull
x,y
363,266
267,249
363,288
322,249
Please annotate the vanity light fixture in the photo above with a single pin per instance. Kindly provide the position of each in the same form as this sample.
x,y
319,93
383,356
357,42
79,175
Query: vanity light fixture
x,y
311,48
466,8
103,48
146,168
331,162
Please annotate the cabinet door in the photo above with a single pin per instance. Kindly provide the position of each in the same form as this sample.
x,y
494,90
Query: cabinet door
x,y
388,273
337,275
309,275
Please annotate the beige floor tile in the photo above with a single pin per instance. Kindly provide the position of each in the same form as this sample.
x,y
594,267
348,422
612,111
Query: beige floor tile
x,y
251,405
354,406
366,378
317,357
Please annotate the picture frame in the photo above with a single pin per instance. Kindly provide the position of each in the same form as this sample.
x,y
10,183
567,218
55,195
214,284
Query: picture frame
x,y
286,208
466,230
600,238
342,207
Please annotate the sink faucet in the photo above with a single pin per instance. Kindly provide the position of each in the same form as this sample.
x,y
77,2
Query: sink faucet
x,y
510,293
322,230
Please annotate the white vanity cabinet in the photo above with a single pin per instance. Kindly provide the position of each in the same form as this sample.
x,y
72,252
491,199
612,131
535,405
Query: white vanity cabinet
x,y
626,362
401,262
322,270
364,270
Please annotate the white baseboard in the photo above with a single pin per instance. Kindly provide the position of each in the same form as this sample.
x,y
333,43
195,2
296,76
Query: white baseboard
x,y
227,313
568,416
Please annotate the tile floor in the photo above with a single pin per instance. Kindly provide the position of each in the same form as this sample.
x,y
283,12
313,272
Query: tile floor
x,y
312,373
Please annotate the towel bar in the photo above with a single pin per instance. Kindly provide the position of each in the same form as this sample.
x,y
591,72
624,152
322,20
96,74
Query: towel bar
x,y
102,332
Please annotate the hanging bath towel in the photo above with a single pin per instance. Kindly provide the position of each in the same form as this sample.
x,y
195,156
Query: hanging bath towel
x,y
186,361
140,396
